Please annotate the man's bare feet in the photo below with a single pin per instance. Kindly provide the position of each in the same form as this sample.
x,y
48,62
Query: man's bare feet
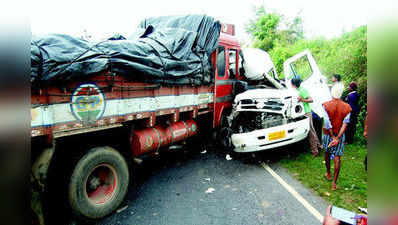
x,y
328,176
334,187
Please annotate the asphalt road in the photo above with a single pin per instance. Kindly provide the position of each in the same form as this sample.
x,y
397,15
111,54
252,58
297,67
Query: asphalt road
x,y
172,190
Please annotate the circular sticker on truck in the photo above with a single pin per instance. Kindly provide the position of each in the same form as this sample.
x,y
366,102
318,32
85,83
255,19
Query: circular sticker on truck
x,y
88,103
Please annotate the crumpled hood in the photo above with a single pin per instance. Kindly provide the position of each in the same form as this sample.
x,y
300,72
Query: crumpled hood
x,y
266,93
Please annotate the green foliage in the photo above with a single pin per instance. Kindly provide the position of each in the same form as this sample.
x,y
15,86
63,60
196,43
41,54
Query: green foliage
x,y
267,30
302,67
345,55
294,30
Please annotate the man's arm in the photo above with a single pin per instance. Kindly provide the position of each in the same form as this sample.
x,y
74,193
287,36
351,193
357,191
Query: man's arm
x,y
327,125
336,139
346,121
308,99
328,219
342,130
305,97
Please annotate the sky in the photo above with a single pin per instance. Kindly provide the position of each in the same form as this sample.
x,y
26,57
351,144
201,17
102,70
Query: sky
x,y
102,19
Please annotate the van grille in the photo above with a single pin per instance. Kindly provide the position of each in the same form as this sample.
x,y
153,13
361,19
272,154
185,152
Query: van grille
x,y
269,104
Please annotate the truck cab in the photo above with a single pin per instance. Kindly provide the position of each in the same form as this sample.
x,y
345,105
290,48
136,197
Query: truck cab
x,y
227,72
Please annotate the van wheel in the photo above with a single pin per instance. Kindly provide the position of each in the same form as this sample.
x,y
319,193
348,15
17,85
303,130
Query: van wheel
x,y
98,183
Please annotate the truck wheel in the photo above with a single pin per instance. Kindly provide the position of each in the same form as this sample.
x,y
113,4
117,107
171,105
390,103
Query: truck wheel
x,y
225,138
224,134
98,183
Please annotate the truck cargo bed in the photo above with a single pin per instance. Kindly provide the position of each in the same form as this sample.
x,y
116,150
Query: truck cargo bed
x,y
107,101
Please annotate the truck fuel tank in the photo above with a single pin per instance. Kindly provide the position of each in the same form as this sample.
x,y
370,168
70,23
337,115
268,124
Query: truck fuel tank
x,y
151,139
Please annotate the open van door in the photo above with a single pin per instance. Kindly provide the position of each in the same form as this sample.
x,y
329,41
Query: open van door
x,y
304,65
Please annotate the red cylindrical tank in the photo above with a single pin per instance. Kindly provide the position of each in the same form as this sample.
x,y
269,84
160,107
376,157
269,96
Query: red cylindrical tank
x,y
151,139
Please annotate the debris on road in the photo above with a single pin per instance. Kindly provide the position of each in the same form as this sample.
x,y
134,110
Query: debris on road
x,y
122,209
210,190
138,161
228,157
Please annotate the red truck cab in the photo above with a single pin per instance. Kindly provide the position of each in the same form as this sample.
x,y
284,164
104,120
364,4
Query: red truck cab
x,y
227,71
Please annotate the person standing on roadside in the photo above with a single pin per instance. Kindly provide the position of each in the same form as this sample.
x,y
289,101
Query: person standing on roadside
x,y
317,122
306,99
353,100
336,79
336,117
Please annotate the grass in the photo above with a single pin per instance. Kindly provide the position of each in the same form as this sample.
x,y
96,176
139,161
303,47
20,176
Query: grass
x,y
352,182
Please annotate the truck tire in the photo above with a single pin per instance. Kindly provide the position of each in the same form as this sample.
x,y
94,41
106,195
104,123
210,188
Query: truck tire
x,y
98,183
225,138
224,134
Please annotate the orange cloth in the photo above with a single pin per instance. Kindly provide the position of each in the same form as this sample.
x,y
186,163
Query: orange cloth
x,y
337,110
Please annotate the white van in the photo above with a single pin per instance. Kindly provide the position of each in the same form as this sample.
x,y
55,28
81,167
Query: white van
x,y
269,115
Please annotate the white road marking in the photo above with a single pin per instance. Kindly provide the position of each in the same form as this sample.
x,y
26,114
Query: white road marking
x,y
290,189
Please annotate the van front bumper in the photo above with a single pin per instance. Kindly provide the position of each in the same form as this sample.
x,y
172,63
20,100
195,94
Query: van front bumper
x,y
258,140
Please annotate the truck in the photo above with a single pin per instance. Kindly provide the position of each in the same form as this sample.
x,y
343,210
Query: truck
x,y
86,132
88,129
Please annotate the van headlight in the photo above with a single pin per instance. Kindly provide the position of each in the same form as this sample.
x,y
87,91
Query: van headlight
x,y
298,109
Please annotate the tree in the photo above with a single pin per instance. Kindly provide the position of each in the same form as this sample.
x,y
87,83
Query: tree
x,y
294,30
269,28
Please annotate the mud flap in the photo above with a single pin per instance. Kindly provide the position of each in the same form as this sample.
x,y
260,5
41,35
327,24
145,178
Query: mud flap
x,y
38,179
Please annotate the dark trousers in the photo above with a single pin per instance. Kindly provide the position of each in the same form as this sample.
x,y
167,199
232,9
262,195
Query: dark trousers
x,y
313,137
318,127
351,128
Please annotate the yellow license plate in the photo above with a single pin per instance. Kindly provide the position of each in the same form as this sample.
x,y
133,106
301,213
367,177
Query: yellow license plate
x,y
276,135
